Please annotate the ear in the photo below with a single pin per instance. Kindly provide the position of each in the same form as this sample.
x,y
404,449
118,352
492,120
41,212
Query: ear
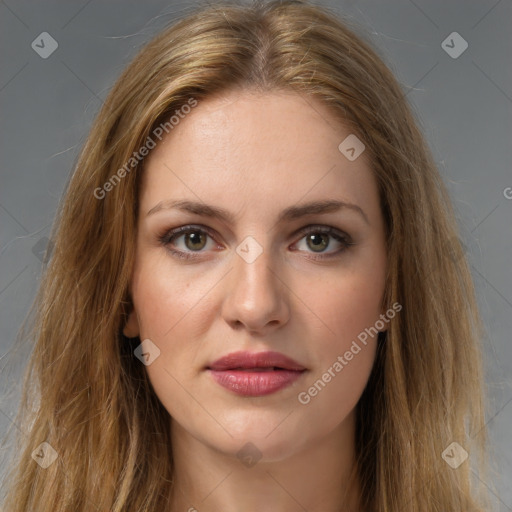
x,y
132,328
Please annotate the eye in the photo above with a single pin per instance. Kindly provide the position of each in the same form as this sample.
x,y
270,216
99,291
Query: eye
x,y
319,238
194,239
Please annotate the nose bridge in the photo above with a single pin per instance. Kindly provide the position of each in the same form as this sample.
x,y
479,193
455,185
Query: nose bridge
x,y
253,265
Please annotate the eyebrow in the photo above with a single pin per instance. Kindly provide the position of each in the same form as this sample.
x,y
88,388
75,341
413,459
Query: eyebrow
x,y
289,214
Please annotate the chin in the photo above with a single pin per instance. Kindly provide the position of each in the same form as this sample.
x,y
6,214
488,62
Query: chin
x,y
269,440
251,450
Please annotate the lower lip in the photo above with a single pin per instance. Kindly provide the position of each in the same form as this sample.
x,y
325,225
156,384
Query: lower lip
x,y
250,383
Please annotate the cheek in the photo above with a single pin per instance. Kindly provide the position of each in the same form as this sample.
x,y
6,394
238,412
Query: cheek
x,y
347,349
167,297
332,393
343,351
171,314
174,312
345,305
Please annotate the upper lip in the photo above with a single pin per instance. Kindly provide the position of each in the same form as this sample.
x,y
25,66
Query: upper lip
x,y
246,360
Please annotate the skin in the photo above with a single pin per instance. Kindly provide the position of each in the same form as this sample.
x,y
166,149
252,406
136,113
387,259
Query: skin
x,y
255,155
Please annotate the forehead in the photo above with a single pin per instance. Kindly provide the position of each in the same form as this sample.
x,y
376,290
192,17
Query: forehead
x,y
244,146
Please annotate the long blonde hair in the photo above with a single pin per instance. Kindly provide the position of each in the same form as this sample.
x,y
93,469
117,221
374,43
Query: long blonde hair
x,y
87,396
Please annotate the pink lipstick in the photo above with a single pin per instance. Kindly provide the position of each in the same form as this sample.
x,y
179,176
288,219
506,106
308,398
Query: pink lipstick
x,y
255,374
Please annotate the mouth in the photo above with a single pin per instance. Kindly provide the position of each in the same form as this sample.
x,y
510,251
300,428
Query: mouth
x,y
260,369
255,374
260,361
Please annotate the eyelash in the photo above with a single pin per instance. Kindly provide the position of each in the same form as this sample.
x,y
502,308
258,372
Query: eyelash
x,y
168,236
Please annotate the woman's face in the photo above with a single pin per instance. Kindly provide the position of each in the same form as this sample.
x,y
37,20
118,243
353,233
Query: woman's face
x,y
270,276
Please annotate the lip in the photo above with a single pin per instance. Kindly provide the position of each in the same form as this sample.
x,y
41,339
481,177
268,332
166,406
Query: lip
x,y
245,360
255,373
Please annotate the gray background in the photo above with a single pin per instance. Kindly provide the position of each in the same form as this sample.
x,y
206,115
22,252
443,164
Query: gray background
x,y
463,104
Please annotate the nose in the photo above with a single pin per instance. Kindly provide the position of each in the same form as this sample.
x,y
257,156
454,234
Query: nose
x,y
256,296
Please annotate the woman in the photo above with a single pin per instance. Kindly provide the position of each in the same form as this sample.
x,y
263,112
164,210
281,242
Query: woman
x,y
257,298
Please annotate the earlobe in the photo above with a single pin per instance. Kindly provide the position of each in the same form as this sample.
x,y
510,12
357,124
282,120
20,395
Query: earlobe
x,y
131,328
